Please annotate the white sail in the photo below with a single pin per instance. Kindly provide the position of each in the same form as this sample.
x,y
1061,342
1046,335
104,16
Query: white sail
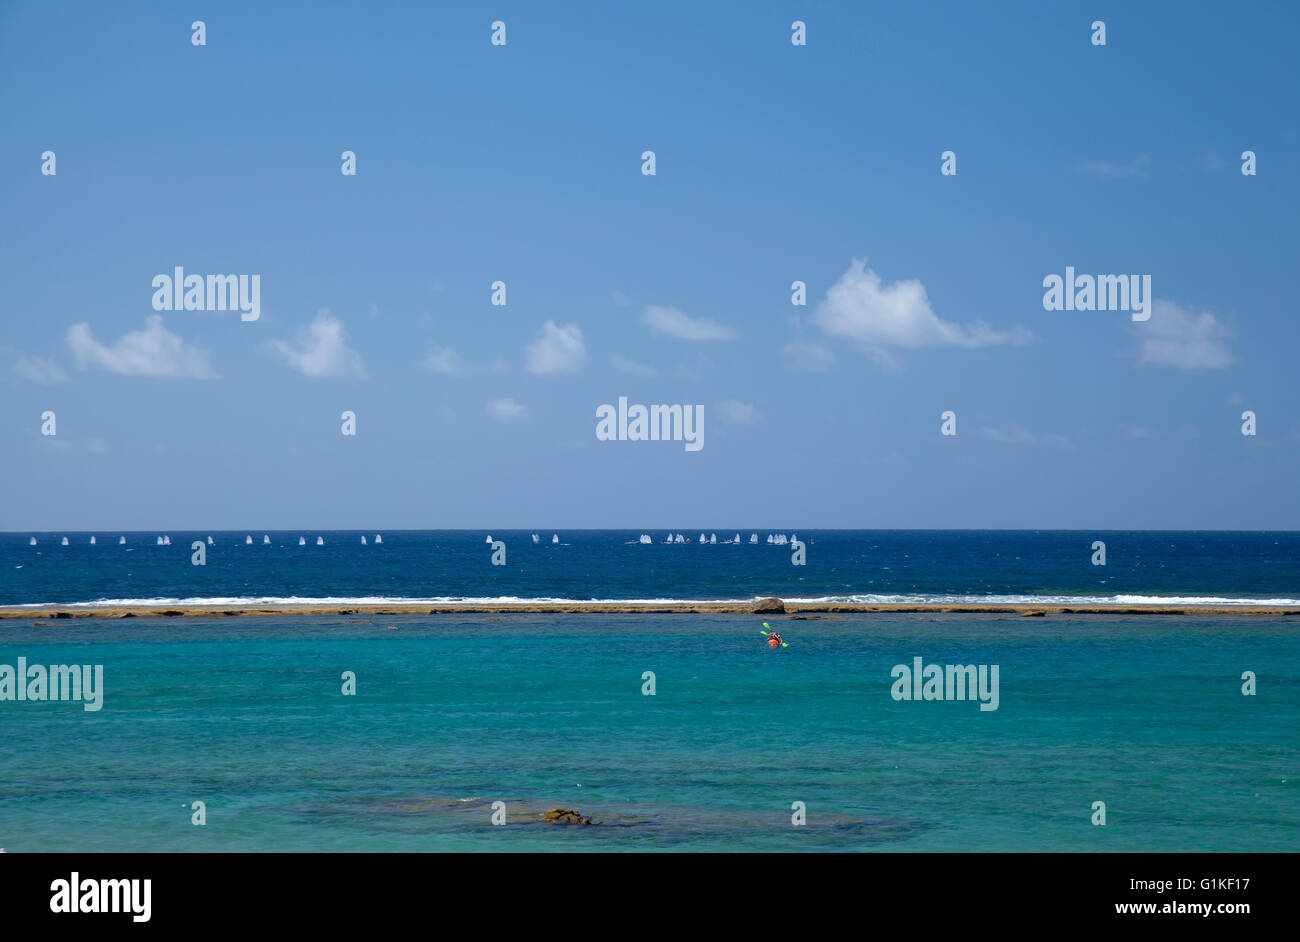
x,y
753,538
363,539
555,538
378,538
302,541
167,540
32,541
713,538
320,541
536,538
210,541
121,541
65,541
248,540
489,539
265,539
92,541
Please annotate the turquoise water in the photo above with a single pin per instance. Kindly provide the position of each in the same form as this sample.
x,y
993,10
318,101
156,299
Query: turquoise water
x,y
455,712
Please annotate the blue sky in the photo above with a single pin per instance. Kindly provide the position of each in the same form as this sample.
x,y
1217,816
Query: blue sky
x,y
774,163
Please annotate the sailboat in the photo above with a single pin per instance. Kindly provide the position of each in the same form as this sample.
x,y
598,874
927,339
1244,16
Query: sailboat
x,y
320,541
266,540
753,538
645,538
363,539
703,538
302,541
92,541
167,540
679,539
160,542
121,541
248,540
555,538
713,538
32,541
65,541
209,540
489,539
378,538
536,538
737,539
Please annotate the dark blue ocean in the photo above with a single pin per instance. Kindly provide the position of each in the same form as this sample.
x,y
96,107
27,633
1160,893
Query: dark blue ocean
x,y
864,565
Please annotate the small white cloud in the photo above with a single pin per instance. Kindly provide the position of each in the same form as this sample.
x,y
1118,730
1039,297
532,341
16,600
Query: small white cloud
x,y
153,351
1016,435
739,413
670,321
444,360
807,356
1134,169
39,370
631,368
556,350
505,410
1178,337
321,350
874,315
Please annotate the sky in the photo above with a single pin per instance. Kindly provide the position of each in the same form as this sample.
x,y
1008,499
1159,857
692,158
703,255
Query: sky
x,y
773,163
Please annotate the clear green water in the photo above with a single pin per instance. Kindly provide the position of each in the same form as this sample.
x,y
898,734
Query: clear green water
x,y
246,715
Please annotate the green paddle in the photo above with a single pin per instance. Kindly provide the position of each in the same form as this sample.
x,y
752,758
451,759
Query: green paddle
x,y
764,633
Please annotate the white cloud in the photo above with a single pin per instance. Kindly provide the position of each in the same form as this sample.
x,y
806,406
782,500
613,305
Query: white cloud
x,y
444,360
807,356
153,351
874,315
556,350
632,368
1134,169
670,321
39,370
739,413
1176,336
1016,435
505,410
321,350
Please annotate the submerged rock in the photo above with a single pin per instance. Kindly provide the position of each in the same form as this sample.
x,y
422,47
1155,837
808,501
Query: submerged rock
x,y
564,816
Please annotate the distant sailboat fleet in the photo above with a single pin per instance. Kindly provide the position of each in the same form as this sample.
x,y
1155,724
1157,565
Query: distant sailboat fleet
x,y
644,539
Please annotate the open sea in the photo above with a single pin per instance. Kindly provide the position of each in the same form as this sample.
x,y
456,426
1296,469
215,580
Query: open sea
x,y
455,712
